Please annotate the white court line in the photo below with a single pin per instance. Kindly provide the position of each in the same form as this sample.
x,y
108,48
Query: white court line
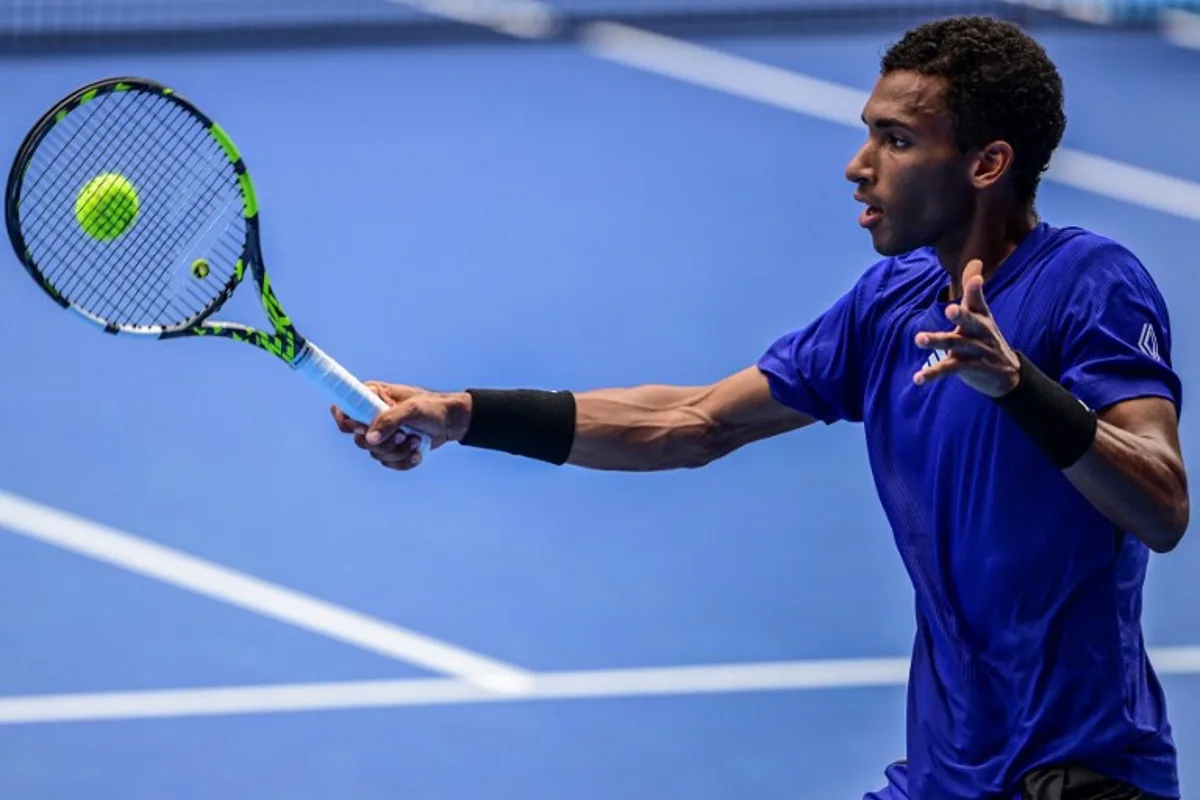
x,y
1078,10
713,69
1180,28
596,684
102,543
522,19
704,66
723,678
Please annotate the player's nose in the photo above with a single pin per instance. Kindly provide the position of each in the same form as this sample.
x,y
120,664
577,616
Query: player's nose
x,y
858,169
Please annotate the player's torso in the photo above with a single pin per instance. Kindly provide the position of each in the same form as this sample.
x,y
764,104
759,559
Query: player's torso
x,y
995,539
958,480
1011,565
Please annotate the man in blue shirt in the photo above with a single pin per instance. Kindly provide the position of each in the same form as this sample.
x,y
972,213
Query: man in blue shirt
x,y
1021,414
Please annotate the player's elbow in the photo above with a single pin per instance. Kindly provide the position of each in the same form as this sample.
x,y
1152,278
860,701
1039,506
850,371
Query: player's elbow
x,y
1178,509
712,440
1164,533
1170,530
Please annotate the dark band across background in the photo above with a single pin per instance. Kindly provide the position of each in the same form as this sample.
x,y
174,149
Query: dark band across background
x,y
65,26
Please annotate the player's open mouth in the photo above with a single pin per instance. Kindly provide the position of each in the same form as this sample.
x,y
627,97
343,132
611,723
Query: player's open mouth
x,y
869,216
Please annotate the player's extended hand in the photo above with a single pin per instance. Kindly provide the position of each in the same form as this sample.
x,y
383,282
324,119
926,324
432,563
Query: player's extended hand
x,y
975,350
439,416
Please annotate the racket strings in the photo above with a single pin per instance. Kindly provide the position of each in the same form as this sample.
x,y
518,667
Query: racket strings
x,y
75,245
180,224
137,250
84,286
151,297
135,253
190,206
40,215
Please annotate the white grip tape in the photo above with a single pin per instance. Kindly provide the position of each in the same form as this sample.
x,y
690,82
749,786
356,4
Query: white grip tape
x,y
343,389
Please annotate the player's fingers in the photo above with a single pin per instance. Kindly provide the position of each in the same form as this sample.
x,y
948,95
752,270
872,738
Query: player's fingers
x,y
933,374
398,448
969,321
380,389
399,461
412,442
973,297
346,423
388,422
951,343
928,340
949,365
393,393
972,270
340,419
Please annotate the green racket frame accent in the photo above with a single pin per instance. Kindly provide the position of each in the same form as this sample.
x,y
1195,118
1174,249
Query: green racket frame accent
x,y
285,342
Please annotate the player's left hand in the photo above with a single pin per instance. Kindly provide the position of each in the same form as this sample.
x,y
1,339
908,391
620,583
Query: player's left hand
x,y
975,350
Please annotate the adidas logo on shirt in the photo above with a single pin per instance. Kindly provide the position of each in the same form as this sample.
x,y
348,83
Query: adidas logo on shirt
x,y
935,357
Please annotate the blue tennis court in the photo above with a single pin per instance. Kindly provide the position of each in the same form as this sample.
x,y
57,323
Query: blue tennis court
x,y
499,214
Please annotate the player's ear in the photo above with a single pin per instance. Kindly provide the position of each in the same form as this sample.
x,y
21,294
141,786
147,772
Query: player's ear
x,y
990,164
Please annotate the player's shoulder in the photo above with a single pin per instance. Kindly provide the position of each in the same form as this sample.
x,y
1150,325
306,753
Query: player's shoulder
x,y
1084,272
1072,254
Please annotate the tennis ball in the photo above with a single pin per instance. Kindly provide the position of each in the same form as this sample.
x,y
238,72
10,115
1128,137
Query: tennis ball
x,y
200,268
106,206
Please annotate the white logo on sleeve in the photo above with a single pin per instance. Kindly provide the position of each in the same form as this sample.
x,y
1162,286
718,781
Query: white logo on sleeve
x,y
1148,342
935,357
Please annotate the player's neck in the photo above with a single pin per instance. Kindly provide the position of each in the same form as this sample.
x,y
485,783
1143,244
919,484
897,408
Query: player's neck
x,y
989,237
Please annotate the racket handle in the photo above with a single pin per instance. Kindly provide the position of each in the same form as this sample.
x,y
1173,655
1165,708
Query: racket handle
x,y
343,389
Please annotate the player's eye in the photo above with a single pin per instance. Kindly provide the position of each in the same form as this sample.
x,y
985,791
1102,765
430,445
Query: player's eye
x,y
898,142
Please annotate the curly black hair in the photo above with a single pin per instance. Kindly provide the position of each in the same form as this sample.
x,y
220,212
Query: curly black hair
x,y
1001,85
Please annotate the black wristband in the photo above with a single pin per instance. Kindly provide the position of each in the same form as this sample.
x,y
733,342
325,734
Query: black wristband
x,y
1052,417
522,422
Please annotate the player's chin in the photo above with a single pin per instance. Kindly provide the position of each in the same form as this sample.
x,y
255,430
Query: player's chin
x,y
889,242
884,245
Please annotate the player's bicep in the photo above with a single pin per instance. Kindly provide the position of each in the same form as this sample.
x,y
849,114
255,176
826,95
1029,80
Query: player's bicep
x,y
1153,419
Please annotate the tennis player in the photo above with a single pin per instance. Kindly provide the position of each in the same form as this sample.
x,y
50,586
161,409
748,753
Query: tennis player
x,y
1015,383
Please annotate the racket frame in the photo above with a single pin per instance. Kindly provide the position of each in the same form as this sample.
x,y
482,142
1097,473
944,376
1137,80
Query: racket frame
x,y
285,343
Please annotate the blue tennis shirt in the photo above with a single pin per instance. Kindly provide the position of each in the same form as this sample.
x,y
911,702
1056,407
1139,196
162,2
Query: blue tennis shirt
x,y
1029,648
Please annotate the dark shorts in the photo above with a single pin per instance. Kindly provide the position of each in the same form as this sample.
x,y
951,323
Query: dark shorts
x,y
1049,783
1078,783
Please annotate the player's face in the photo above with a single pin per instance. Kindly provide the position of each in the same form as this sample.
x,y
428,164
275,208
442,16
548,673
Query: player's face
x,y
909,173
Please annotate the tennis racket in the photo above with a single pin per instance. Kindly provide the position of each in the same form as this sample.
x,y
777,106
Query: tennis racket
x,y
133,209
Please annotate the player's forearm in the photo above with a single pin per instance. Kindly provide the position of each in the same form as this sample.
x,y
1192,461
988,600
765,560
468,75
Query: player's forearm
x,y
646,428
1126,461
639,429
1137,482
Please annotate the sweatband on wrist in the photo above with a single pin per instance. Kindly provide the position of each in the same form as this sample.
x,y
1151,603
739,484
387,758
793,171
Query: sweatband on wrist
x,y
522,422
1051,416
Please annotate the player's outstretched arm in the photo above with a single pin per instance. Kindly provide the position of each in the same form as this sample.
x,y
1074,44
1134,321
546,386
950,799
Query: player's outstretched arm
x,y
636,429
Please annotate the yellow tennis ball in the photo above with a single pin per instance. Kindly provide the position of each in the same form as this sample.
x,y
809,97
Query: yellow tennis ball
x,y
107,206
200,268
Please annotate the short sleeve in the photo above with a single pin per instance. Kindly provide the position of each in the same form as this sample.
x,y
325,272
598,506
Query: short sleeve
x,y
1116,334
817,370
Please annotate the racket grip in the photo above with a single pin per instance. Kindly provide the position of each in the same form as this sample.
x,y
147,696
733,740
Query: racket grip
x,y
343,389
